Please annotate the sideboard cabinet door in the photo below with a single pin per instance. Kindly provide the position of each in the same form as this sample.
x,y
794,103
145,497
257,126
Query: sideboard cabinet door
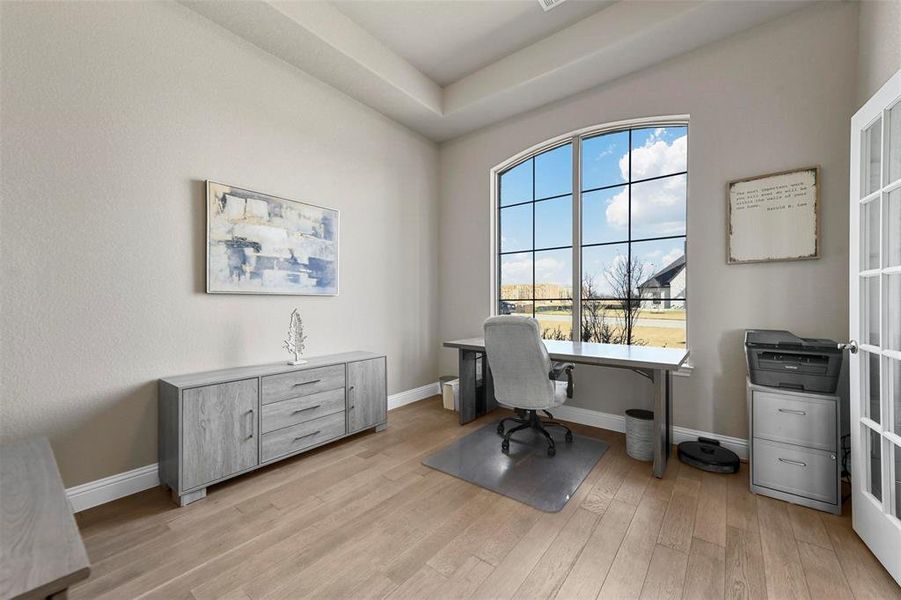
x,y
367,400
219,431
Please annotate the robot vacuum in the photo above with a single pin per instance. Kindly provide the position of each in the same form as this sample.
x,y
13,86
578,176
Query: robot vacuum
x,y
708,455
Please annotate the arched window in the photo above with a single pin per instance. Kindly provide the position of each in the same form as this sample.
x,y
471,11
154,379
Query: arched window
x,y
605,207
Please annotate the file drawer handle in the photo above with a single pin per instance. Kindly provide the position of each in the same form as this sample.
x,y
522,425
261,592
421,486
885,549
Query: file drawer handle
x,y
300,410
793,412
797,463
307,382
306,435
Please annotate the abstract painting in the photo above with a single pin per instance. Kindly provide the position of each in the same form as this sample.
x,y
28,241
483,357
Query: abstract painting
x,y
262,244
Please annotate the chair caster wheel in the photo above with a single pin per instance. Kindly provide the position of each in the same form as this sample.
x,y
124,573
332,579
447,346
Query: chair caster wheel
x,y
569,437
505,447
500,428
551,451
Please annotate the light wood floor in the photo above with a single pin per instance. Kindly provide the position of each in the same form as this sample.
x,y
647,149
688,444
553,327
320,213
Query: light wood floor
x,y
364,519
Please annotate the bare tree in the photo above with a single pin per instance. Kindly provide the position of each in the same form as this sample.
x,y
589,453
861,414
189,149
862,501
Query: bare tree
x,y
624,297
624,277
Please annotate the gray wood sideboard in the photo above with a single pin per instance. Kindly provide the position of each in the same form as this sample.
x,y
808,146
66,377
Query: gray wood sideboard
x,y
220,424
41,552
794,446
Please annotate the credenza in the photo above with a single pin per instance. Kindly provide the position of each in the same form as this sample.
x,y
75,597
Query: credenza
x,y
220,424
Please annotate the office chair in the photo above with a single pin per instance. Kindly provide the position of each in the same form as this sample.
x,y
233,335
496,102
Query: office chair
x,y
524,377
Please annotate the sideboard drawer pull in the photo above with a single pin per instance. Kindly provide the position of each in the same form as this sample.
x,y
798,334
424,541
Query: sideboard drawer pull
x,y
797,463
311,382
793,412
300,410
317,432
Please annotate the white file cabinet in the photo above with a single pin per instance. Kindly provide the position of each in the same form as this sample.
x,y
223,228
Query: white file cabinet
x,y
794,446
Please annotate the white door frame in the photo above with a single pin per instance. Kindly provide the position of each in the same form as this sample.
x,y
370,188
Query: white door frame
x,y
873,520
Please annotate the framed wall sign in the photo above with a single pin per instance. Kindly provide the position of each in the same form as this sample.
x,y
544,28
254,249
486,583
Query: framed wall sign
x,y
262,244
774,217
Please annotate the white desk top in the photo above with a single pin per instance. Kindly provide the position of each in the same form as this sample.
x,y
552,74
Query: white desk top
x,y
590,353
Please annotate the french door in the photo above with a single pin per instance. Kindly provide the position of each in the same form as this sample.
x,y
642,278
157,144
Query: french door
x,y
875,321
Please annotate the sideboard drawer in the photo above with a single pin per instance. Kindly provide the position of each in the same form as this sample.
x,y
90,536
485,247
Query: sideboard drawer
x,y
310,433
285,413
800,471
806,422
302,383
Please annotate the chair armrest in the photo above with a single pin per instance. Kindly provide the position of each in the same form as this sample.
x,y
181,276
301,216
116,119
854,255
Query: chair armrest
x,y
557,372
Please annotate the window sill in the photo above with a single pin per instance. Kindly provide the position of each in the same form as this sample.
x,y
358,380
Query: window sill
x,y
684,371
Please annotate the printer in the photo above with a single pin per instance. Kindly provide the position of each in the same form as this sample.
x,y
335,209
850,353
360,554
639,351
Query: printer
x,y
781,359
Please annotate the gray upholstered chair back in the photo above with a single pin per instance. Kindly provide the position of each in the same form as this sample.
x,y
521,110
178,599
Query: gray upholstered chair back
x,y
519,363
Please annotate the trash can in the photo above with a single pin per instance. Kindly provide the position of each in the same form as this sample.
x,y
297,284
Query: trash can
x,y
640,434
449,386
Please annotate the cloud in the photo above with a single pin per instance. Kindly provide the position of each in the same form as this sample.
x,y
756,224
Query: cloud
x,y
658,207
547,270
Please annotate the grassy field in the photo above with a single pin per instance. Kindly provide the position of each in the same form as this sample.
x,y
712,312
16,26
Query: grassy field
x,y
666,337
669,315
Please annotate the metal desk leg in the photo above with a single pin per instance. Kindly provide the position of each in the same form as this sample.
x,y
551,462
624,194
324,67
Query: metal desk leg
x,y
662,421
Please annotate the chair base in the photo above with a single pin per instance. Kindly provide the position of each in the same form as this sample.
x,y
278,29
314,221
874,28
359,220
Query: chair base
x,y
526,419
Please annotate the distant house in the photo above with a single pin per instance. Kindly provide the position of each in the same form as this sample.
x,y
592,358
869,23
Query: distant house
x,y
667,283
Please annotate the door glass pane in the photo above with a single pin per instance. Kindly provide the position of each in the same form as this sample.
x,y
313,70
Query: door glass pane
x,y
871,155
893,381
894,146
869,382
875,463
658,208
554,223
605,216
869,310
605,160
516,184
892,218
555,319
869,235
554,172
554,274
893,312
516,228
516,276
897,451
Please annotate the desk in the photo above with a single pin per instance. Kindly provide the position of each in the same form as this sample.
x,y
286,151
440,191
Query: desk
x,y
657,364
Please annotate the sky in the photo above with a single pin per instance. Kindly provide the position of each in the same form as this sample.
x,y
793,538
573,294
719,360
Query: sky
x,y
658,206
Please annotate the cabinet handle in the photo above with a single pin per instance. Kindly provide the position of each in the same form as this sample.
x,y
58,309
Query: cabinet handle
x,y
306,435
300,410
353,395
793,412
797,463
312,381
250,424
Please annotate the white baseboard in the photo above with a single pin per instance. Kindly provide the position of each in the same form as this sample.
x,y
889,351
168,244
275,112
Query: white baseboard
x,y
95,493
595,418
415,395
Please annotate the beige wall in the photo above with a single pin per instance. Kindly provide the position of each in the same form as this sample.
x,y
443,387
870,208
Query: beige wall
x,y
112,116
879,45
776,97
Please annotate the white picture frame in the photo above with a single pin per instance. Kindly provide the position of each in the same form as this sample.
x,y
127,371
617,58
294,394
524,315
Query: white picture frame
x,y
774,217
259,243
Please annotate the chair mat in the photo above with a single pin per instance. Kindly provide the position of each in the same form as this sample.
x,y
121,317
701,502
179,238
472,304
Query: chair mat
x,y
527,474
